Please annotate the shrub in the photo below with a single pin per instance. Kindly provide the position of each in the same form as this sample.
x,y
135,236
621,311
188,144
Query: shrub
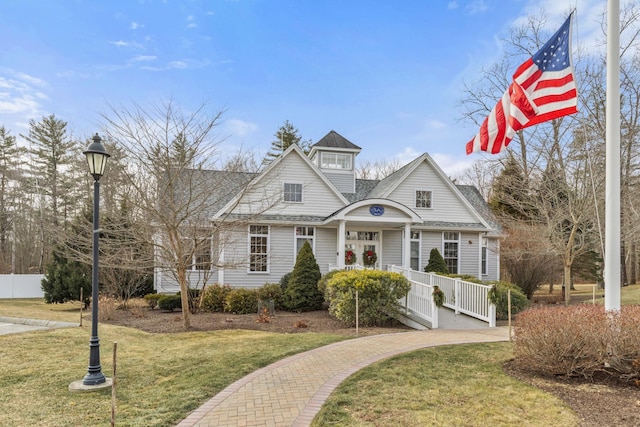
x,y
213,298
322,283
194,300
241,301
284,281
273,292
378,295
302,292
169,302
579,340
438,296
436,263
152,300
499,296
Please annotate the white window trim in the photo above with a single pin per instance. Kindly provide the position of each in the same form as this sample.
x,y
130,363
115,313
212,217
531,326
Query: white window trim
x,y
296,237
484,244
324,153
453,241
419,241
268,235
415,198
301,192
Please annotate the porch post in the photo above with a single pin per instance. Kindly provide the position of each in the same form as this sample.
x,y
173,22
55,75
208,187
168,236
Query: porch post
x,y
221,267
406,253
342,231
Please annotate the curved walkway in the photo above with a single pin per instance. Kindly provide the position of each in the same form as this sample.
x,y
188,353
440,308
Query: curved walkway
x,y
291,391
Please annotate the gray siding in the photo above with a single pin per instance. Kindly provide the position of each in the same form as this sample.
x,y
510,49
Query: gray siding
x,y
391,248
326,248
446,206
430,240
344,182
470,255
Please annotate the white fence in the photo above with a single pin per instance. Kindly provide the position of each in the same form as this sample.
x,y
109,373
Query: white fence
x,y
21,286
464,297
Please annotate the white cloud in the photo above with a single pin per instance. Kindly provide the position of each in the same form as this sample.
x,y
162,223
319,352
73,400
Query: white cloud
x,y
144,58
192,25
120,43
475,7
177,64
237,127
452,166
135,26
436,124
20,94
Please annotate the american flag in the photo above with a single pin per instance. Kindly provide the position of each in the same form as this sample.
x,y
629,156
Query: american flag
x,y
543,89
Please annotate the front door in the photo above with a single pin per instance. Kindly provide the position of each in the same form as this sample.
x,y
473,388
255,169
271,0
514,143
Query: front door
x,y
365,246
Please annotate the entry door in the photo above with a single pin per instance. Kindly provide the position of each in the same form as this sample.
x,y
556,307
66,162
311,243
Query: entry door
x,y
360,247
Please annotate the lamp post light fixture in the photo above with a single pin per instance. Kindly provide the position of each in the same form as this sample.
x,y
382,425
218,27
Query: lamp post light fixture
x,y
97,159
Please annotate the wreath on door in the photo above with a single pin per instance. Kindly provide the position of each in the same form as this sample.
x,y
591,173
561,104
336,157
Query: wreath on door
x,y
369,258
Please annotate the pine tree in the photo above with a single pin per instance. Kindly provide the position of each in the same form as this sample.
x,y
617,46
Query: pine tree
x,y
286,136
436,263
302,293
10,155
64,278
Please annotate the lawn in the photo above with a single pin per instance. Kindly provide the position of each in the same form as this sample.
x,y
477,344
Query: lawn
x,y
161,377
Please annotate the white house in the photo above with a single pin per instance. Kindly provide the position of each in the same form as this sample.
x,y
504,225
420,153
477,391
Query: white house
x,y
317,198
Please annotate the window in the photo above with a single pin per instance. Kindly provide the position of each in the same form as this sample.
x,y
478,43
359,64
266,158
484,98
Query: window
x,y
484,255
415,250
292,192
336,161
202,255
304,234
423,199
258,248
451,245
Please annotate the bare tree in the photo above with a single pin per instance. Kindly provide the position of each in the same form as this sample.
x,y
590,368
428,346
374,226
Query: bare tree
x,y
176,188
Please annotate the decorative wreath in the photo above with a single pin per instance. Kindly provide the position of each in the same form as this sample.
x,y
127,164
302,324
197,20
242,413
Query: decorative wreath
x,y
350,257
369,257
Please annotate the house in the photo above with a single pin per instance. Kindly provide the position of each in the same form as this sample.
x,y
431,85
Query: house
x,y
317,198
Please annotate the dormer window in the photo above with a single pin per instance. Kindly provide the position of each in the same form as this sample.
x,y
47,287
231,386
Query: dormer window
x,y
341,161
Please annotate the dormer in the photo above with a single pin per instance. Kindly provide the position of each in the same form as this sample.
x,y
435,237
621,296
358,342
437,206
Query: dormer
x,y
335,156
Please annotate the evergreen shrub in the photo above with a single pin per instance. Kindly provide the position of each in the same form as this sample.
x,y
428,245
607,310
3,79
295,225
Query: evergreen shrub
x,y
499,296
152,300
378,295
241,301
213,298
169,302
271,292
436,263
302,294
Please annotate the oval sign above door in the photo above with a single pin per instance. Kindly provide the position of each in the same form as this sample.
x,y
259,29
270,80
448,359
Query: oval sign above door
x,y
376,210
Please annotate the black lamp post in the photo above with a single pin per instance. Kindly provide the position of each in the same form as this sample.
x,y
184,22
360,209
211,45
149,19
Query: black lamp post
x,y
97,159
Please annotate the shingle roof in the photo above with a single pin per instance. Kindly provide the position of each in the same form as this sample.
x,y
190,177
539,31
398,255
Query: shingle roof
x,y
334,140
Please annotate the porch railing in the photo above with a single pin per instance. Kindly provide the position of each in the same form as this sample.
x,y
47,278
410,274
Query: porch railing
x,y
461,296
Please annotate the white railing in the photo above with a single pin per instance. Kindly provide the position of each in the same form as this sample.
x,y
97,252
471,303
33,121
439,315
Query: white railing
x,y
465,297
347,267
419,299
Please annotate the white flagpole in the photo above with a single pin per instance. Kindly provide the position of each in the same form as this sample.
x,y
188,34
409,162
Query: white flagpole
x,y
612,191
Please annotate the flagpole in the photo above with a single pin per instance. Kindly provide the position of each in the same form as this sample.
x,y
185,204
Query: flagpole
x,y
612,190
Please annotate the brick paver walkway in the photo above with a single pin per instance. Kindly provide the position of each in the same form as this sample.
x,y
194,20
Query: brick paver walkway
x,y
291,391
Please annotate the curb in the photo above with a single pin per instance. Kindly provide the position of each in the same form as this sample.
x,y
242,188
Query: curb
x,y
37,322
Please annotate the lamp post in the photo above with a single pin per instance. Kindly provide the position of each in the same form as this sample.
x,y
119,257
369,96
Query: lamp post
x,y
97,159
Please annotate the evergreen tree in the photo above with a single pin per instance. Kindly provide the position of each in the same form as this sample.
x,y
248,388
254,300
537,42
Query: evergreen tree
x,y
286,136
64,278
10,155
302,293
436,263
510,195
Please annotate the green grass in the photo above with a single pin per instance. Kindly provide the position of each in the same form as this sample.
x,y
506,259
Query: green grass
x,y
160,377
629,295
462,385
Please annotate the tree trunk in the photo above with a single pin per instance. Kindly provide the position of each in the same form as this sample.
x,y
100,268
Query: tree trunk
x,y
633,267
567,283
184,298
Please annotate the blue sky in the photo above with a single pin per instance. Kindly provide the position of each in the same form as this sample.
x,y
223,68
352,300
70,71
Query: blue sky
x,y
385,74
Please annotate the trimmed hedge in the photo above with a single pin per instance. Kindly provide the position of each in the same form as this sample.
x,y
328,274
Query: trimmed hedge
x,y
378,295
152,300
271,292
169,302
214,297
241,301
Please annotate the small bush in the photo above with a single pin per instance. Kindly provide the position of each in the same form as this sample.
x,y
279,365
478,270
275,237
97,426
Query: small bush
x,y
579,340
322,283
436,263
152,300
284,281
499,296
378,295
213,298
194,300
241,301
169,302
273,292
302,292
